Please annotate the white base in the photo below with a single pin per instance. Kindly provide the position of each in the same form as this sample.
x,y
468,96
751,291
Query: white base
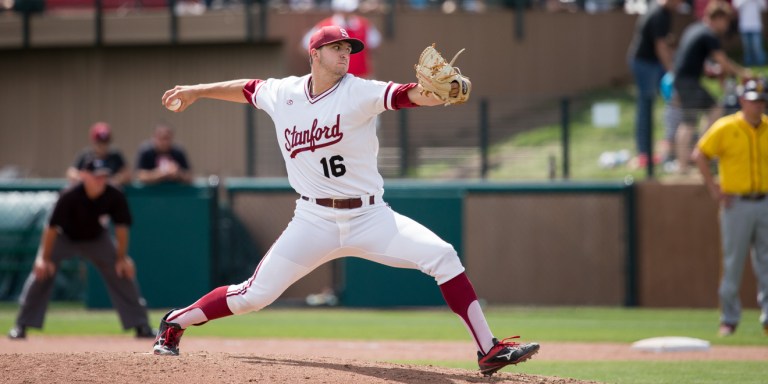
x,y
671,344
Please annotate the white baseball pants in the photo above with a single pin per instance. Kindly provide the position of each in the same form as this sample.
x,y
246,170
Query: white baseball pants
x,y
318,234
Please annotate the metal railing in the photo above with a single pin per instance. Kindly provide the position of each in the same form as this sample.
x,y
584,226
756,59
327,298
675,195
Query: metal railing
x,y
576,137
256,26
587,136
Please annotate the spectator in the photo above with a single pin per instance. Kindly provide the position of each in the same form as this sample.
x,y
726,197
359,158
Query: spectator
x,y
672,116
161,160
357,27
650,55
733,140
700,8
101,137
751,30
700,42
75,228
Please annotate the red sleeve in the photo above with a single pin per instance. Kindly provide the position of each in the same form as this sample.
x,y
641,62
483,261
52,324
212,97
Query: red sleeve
x,y
249,91
400,97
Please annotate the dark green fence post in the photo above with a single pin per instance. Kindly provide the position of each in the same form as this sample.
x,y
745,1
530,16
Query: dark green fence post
x,y
250,142
484,138
649,164
519,19
389,21
630,207
247,4
403,115
174,22
213,189
99,26
25,28
263,19
564,125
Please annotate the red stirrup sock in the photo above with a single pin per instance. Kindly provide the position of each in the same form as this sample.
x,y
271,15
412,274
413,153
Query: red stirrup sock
x,y
461,298
212,306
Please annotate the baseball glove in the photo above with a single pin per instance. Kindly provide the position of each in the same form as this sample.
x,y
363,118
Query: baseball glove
x,y
441,78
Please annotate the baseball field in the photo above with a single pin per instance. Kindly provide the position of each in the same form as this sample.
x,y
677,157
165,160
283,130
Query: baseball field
x,y
334,345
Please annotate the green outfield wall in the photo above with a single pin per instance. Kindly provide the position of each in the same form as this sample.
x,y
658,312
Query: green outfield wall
x,y
172,242
537,238
646,244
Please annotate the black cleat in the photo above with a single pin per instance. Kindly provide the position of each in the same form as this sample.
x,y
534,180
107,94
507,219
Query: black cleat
x,y
505,353
168,338
18,332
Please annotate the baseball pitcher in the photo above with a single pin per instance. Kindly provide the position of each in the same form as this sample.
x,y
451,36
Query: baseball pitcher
x,y
326,130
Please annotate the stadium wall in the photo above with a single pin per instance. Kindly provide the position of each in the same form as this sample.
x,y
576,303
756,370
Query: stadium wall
x,y
650,244
53,90
562,246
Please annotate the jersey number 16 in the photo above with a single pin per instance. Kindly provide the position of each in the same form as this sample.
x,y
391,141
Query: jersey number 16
x,y
333,167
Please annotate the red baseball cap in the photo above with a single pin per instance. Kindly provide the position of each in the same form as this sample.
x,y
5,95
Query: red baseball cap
x,y
332,34
100,132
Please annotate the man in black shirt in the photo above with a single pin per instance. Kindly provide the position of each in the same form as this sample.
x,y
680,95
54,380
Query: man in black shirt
x,y
700,42
75,228
101,136
650,55
160,160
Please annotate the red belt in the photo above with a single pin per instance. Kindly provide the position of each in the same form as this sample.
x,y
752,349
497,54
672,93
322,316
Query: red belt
x,y
355,202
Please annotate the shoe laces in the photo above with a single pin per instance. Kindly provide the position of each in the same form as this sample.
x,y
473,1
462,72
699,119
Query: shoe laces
x,y
500,345
172,335
506,343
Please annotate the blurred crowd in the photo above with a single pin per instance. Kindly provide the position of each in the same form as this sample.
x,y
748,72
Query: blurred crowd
x,y
675,66
447,6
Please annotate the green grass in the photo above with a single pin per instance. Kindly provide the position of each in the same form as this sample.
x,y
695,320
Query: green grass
x,y
586,142
577,324
543,324
641,372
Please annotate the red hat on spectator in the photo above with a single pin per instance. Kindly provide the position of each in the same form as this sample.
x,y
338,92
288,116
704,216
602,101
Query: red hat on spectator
x,y
100,132
332,34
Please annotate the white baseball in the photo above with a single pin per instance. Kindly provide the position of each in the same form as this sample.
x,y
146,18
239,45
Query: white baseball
x,y
175,105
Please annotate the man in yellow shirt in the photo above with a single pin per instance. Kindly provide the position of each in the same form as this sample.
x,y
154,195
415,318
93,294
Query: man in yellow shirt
x,y
740,144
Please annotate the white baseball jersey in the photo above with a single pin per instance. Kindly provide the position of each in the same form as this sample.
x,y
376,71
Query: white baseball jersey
x,y
329,145
328,140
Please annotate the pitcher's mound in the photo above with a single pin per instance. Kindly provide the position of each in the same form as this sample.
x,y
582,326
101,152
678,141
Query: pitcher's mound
x,y
206,368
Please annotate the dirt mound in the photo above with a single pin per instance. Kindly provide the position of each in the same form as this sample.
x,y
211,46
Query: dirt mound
x,y
206,368
123,359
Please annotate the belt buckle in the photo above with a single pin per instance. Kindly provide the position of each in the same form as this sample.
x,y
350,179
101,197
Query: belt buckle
x,y
333,203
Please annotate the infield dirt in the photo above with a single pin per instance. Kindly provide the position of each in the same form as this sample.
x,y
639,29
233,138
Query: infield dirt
x,y
122,359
